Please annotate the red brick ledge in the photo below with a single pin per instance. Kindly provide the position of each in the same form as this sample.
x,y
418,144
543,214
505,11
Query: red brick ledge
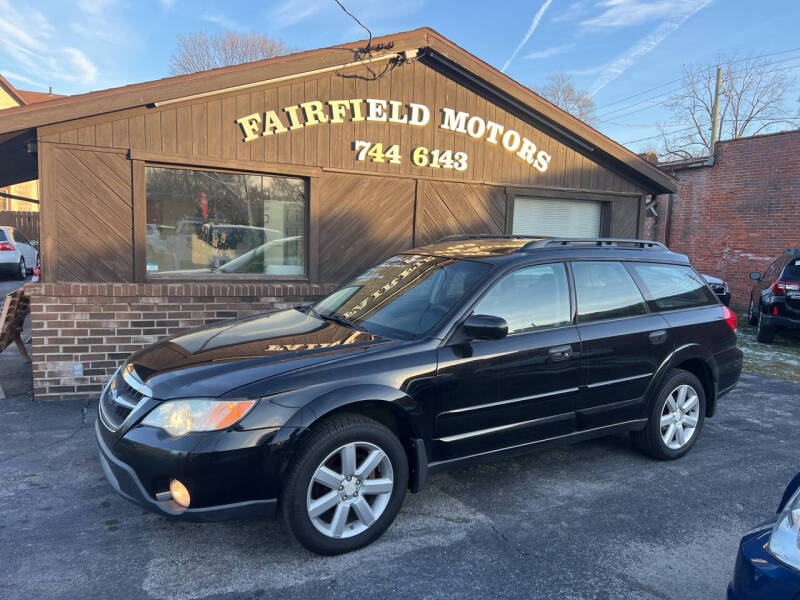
x,y
211,290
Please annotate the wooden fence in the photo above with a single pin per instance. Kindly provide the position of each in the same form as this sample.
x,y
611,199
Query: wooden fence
x,y
27,222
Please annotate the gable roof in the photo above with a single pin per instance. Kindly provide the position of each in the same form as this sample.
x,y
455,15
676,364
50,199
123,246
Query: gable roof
x,y
25,97
434,45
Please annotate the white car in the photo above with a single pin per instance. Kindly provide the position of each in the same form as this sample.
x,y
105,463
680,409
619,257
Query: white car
x,y
18,255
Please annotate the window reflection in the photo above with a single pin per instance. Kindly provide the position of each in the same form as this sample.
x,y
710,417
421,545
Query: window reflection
x,y
209,222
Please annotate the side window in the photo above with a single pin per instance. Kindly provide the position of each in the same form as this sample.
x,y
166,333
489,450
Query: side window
x,y
605,290
668,287
18,237
530,298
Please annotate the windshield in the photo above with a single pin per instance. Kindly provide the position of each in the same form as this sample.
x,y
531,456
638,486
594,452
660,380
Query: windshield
x,y
406,296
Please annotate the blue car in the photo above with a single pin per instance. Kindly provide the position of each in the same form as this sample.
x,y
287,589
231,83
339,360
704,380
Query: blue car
x,y
768,563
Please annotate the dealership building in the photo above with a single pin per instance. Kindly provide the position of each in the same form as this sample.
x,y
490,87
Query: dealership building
x,y
174,203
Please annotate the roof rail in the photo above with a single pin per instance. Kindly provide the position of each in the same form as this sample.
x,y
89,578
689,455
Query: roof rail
x,y
549,242
484,236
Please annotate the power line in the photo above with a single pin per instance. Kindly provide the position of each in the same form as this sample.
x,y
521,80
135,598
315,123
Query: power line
x,y
613,114
693,127
700,71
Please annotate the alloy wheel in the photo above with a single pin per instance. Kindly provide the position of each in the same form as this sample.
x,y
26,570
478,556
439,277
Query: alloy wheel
x,y
350,490
23,270
679,417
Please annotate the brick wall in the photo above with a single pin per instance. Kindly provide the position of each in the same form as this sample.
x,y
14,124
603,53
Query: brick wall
x,y
740,214
98,325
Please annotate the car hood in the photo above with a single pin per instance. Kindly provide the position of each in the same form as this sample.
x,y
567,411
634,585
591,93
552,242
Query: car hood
x,y
215,360
712,279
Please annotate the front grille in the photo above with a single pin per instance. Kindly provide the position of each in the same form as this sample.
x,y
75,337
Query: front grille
x,y
118,401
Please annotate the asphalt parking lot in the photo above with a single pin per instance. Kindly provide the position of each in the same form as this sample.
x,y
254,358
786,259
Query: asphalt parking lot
x,y
593,520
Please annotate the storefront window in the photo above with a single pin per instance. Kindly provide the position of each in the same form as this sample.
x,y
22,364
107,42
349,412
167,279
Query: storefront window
x,y
203,222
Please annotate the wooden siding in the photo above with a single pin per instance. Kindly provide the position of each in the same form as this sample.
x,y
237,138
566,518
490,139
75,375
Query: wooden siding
x,y
206,128
454,208
87,221
625,217
366,219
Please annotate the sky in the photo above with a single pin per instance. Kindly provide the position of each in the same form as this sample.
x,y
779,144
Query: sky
x,y
617,50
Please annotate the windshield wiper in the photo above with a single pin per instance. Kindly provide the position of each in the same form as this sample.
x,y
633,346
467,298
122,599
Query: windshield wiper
x,y
341,320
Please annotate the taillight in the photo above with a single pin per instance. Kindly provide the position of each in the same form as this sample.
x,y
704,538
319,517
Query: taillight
x,y
730,318
6,247
780,287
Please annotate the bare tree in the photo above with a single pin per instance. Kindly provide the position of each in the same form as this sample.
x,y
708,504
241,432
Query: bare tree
x,y
562,92
752,100
202,51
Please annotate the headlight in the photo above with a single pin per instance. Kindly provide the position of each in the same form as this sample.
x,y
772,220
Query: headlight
x,y
784,543
179,417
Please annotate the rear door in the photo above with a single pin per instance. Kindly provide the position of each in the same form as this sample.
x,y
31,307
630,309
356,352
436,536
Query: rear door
x,y
522,388
622,343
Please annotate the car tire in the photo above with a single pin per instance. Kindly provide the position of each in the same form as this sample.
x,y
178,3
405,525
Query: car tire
x,y
752,315
764,334
310,485
669,433
22,270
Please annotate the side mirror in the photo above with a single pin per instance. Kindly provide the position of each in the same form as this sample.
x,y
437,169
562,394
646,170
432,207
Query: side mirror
x,y
755,275
485,327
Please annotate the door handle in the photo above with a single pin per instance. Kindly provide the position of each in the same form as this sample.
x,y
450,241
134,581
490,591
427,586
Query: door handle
x,y
560,352
658,337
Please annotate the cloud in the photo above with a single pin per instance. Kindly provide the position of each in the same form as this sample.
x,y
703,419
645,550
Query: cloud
x,y
646,44
167,4
547,52
12,76
626,13
223,21
534,24
44,56
371,13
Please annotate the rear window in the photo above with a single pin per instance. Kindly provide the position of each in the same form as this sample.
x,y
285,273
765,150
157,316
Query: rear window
x,y
792,271
3,237
670,287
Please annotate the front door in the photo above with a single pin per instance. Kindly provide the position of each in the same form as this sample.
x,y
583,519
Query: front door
x,y
622,344
501,393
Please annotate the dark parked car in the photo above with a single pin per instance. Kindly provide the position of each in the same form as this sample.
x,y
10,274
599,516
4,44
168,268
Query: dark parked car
x,y
768,562
775,297
720,288
469,349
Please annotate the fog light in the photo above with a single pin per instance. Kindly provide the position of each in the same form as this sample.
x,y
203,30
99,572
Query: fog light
x,y
179,492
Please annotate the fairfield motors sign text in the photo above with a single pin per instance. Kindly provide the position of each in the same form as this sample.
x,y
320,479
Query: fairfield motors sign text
x,y
315,112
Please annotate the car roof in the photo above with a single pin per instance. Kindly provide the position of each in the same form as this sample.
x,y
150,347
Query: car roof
x,y
512,249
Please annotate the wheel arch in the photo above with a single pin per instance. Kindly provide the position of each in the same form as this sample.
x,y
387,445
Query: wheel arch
x,y
699,361
394,409
695,359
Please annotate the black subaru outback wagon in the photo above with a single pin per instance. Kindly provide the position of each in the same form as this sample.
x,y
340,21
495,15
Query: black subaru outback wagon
x,y
775,297
468,349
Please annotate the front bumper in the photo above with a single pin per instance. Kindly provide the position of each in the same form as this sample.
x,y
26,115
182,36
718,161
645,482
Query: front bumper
x,y
125,480
757,575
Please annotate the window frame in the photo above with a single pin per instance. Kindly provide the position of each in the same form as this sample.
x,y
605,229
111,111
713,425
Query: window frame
x,y
499,276
642,287
621,261
310,178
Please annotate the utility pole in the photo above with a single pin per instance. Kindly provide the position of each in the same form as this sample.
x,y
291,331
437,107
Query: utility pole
x,y
715,113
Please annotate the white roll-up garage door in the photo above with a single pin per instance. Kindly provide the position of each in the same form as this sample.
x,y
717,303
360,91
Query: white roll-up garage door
x,y
556,217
